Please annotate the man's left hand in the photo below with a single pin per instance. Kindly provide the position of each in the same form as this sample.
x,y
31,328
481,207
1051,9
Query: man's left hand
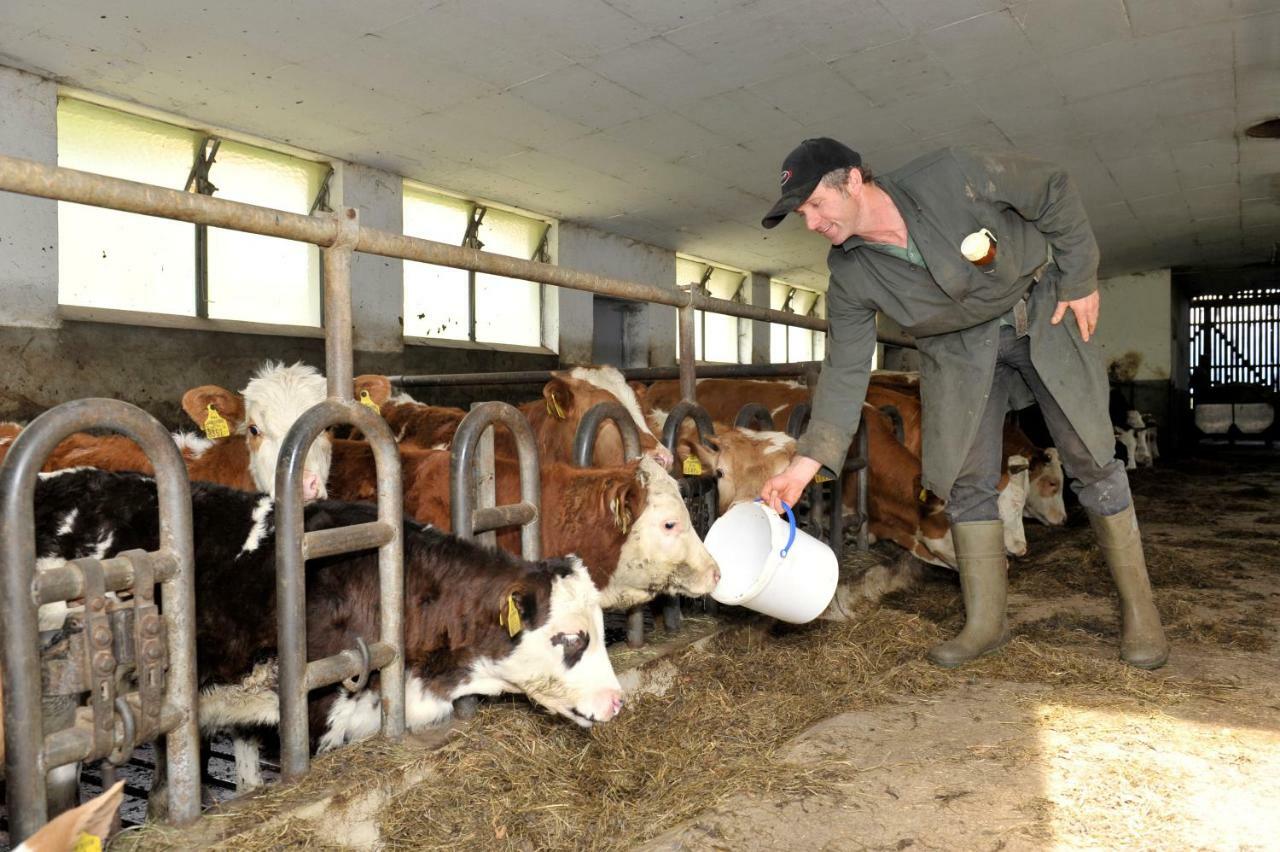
x,y
1085,310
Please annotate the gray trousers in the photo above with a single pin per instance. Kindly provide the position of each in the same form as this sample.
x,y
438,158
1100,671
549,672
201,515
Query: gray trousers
x,y
1103,490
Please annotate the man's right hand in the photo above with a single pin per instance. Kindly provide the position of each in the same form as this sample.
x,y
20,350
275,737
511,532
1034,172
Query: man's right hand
x,y
787,486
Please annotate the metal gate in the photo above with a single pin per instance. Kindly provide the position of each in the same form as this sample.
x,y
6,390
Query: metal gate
x,y
1234,355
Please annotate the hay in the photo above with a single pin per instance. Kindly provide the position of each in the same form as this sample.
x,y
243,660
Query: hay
x,y
258,821
523,781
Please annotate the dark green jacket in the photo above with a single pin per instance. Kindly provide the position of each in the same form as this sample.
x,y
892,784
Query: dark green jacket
x,y
953,308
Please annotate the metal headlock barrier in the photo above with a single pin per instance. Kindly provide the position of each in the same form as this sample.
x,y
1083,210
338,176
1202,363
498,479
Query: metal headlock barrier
x,y
338,235
473,509
584,453
109,641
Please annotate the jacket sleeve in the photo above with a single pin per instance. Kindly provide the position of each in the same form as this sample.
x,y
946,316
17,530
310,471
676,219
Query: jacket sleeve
x,y
1043,194
842,386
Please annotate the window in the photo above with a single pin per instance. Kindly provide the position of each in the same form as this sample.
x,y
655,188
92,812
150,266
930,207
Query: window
x,y
717,338
455,304
127,261
791,343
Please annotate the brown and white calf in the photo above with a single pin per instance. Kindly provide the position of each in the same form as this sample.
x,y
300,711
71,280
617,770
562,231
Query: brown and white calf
x,y
258,418
628,523
724,398
460,636
555,418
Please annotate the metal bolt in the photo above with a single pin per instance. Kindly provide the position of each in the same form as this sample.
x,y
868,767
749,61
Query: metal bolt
x,y
151,625
97,604
101,635
103,662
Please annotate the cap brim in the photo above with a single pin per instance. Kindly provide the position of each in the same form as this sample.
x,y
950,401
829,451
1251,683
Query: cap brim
x,y
790,200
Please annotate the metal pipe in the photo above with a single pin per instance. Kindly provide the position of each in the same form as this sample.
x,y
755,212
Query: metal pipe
x,y
488,518
66,582
753,415
584,440
864,476
337,304
32,178
680,412
688,354
291,625
345,664
25,763
318,543
461,464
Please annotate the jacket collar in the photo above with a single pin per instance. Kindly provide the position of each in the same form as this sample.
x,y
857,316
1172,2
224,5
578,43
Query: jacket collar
x,y
907,208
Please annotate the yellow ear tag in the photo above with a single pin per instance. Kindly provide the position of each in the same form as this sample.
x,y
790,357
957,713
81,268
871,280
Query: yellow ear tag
x,y
621,515
511,618
87,843
553,407
367,402
215,425
924,495
691,466
821,478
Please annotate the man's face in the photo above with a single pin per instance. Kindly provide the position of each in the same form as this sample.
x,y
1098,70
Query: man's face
x,y
832,211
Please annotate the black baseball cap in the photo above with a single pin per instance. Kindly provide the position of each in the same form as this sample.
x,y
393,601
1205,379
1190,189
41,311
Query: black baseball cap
x,y
803,169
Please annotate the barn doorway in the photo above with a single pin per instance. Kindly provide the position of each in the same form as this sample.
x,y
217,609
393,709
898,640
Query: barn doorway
x,y
1233,357
613,340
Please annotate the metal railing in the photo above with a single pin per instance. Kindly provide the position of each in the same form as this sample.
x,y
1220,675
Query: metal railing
x,y
165,702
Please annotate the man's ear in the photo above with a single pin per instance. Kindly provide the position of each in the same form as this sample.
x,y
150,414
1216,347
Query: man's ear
x,y
379,387
196,402
559,397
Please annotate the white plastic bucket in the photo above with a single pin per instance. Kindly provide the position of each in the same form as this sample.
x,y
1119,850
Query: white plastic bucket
x,y
767,565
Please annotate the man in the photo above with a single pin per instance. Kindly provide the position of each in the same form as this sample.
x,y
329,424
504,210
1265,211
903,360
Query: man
x,y
991,337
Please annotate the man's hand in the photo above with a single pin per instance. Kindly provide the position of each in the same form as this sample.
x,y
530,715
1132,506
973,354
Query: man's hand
x,y
787,486
1086,311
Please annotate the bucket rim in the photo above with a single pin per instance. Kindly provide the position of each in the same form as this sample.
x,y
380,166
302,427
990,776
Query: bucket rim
x,y
779,531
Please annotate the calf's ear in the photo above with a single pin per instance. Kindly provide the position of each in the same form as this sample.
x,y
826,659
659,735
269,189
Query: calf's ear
x,y
624,501
378,387
230,406
558,396
518,610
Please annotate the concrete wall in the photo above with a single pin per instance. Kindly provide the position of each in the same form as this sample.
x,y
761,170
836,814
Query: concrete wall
x,y
1137,318
28,226
592,251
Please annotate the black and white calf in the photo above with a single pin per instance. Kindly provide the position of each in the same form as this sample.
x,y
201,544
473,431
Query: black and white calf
x,y
458,635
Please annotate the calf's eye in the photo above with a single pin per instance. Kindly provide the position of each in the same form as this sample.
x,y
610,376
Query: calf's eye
x,y
669,525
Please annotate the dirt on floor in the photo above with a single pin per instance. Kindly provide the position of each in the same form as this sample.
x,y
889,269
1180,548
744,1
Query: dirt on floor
x,y
839,735
996,761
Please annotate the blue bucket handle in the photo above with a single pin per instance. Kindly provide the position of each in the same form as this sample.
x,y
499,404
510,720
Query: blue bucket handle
x,y
791,531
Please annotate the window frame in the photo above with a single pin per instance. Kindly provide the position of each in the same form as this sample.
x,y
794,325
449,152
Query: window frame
x,y
741,295
817,309
198,173
547,252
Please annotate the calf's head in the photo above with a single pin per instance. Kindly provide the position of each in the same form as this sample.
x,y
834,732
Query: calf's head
x,y
559,658
742,460
263,413
1044,489
570,395
1012,500
661,553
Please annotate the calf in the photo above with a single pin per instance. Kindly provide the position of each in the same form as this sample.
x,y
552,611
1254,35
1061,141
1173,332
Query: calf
x,y
1045,476
724,398
628,523
476,621
566,399
258,419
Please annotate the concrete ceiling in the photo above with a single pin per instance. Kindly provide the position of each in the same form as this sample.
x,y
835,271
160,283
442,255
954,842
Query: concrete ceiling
x,y
666,120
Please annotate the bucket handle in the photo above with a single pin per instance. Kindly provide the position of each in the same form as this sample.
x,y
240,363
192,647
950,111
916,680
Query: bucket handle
x,y
791,531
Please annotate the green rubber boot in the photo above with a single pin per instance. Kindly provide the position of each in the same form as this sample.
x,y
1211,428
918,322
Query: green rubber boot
x,y
984,583
1142,642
